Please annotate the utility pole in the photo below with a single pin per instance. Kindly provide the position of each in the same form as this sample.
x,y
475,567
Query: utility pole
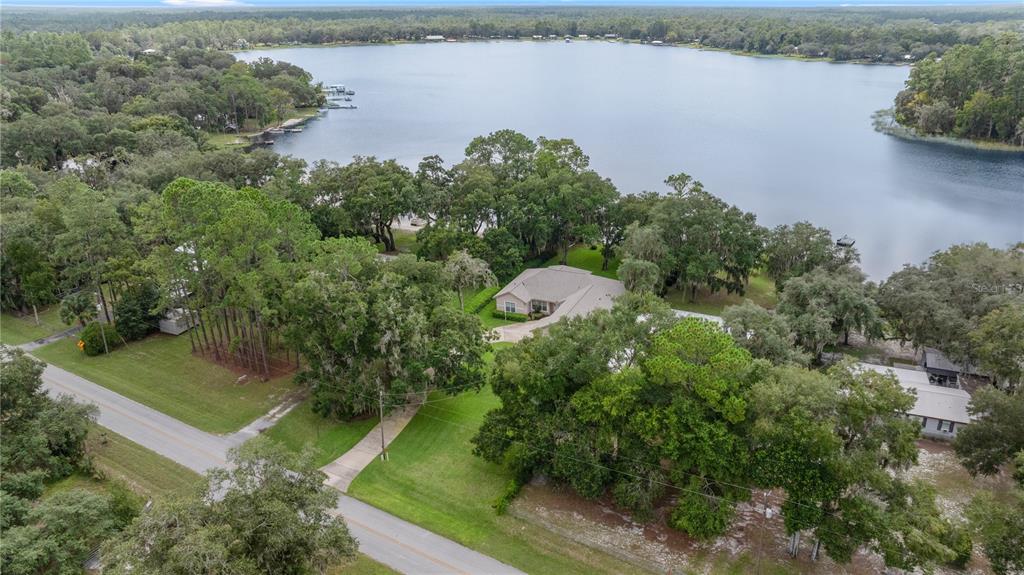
x,y
383,446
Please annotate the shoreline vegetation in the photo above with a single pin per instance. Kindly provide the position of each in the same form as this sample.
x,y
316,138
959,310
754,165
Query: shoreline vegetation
x,y
885,122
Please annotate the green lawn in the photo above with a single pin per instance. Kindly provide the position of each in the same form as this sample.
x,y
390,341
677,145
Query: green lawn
x,y
363,565
145,471
161,372
587,259
228,140
485,313
16,330
405,241
761,290
301,427
433,479
117,458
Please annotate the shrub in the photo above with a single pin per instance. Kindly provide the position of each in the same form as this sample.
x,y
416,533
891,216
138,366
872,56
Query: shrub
x,y
482,299
90,340
701,516
959,541
505,499
510,316
134,312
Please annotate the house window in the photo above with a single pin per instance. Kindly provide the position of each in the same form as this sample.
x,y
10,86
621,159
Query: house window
x,y
510,307
924,422
945,426
540,306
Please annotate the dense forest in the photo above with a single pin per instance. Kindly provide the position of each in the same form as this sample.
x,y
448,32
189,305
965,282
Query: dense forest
x,y
863,34
62,97
970,92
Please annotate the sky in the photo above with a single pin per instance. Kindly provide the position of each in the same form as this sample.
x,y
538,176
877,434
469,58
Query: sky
x,y
325,3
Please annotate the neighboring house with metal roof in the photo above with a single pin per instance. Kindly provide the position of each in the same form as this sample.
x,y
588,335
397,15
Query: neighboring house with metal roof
x,y
942,411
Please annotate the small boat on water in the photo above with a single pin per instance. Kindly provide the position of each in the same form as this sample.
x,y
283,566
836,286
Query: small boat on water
x,y
293,130
347,107
275,131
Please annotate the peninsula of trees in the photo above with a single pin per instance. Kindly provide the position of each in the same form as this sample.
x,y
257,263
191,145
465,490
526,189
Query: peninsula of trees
x,y
974,92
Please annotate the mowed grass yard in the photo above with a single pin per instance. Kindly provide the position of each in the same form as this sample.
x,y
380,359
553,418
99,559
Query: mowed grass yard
x,y
16,330
161,372
760,290
301,427
433,479
587,259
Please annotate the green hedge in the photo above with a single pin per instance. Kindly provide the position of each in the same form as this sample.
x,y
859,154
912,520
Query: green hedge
x,y
482,299
91,338
510,316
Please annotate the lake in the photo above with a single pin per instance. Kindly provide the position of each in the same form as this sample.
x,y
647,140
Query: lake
x,y
785,139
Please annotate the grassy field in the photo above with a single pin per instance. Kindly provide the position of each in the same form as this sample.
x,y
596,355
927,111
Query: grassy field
x,y
433,480
161,372
760,290
301,427
16,330
587,259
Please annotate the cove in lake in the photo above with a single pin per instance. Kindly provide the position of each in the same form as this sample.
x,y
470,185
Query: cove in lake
x,y
785,139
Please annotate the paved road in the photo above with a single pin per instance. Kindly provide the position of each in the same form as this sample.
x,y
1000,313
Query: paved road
x,y
384,537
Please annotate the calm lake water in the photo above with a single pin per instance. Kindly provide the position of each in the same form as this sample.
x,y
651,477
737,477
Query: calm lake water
x,y
786,140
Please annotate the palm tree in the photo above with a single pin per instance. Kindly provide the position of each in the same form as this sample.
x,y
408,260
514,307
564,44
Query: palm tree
x,y
79,307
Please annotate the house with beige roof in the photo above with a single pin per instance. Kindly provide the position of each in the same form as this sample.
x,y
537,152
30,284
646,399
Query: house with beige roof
x,y
557,291
553,293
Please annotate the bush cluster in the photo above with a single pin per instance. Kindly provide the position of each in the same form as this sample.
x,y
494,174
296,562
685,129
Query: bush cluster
x,y
90,340
500,314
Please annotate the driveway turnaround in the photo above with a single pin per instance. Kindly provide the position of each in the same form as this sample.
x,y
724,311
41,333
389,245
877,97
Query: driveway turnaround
x,y
394,542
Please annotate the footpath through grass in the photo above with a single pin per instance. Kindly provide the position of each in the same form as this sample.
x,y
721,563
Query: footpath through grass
x,y
301,427
433,479
161,372
16,330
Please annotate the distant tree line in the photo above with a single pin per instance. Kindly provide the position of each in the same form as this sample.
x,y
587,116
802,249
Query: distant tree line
x,y
870,34
969,92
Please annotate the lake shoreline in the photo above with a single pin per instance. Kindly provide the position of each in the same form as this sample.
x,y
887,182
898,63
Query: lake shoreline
x,y
886,124
687,45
